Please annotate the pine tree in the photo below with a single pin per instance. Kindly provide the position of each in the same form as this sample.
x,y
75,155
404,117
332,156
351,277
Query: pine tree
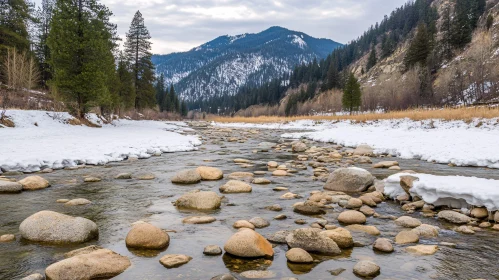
x,y
160,91
183,109
372,59
126,88
461,25
333,77
419,49
81,41
44,16
138,52
15,16
352,94
173,99
446,41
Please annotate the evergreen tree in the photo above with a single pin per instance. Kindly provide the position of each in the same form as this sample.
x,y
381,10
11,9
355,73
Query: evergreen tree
x,y
419,49
446,29
44,16
15,15
461,24
81,41
333,77
352,94
138,52
372,59
126,88
183,109
160,91
173,100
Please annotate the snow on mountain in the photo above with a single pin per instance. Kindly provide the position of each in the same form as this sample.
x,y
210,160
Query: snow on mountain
x,y
226,63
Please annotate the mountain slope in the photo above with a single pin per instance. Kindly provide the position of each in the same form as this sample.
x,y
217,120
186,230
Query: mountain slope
x,y
222,66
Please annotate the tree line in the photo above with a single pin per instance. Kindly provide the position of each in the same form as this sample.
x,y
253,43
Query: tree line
x,y
71,48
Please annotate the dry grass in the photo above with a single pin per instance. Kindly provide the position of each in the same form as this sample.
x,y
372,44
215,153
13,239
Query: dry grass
x,y
462,113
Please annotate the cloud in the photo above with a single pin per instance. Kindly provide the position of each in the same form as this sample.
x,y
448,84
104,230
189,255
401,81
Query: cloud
x,y
179,25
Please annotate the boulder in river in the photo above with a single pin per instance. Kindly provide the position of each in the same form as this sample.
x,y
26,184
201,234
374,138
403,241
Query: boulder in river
x,y
210,173
422,249
405,237
299,147
34,182
308,210
352,217
479,212
234,186
199,220
341,236
453,217
259,222
10,187
425,230
311,240
408,222
53,227
199,200
385,164
212,250
352,179
98,264
383,245
7,238
189,176
122,176
77,201
147,236
298,255
366,269
34,276
248,243
171,261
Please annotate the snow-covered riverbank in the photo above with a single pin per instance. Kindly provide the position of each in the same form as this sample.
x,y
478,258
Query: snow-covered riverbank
x,y
456,142
52,143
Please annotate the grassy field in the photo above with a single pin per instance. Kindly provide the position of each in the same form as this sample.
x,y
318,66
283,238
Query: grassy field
x,y
464,113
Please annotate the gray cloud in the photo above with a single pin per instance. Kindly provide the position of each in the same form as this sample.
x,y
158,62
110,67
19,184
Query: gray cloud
x,y
179,25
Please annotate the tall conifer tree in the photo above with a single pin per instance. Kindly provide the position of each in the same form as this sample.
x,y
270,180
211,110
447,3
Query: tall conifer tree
x,y
352,94
82,41
138,52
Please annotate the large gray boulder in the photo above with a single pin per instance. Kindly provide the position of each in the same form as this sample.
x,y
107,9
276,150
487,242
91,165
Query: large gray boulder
x,y
53,227
199,200
454,217
190,176
311,240
99,264
10,187
352,179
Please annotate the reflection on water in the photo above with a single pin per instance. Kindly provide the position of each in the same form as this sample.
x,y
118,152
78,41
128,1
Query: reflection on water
x,y
118,203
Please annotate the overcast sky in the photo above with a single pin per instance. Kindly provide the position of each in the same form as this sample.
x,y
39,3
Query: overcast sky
x,y
179,25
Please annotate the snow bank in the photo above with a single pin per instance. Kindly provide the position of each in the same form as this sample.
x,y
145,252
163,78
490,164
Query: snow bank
x,y
44,140
457,142
453,191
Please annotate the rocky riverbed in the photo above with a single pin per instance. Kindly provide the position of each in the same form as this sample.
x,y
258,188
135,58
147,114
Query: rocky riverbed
x,y
262,207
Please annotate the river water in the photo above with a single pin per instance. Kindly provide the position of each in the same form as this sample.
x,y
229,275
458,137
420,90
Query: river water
x,y
118,203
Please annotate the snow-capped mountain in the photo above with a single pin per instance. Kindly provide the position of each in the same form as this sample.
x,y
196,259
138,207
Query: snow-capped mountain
x,y
223,65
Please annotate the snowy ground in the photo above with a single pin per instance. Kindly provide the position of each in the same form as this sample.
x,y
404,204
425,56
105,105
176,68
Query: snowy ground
x,y
453,191
457,142
52,143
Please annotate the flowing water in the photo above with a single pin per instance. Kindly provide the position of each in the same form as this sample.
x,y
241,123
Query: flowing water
x,y
118,203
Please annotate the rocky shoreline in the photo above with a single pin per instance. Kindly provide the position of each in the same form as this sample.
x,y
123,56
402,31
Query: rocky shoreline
x,y
344,203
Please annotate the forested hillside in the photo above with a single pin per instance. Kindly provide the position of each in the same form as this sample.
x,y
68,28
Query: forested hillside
x,y
416,56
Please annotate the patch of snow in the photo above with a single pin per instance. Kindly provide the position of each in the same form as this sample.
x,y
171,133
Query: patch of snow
x,y
52,143
453,191
457,142
298,41
235,38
